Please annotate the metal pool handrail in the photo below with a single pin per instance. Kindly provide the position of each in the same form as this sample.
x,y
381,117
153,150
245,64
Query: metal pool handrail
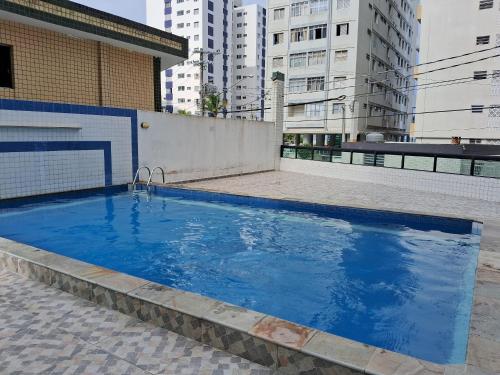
x,y
137,175
151,175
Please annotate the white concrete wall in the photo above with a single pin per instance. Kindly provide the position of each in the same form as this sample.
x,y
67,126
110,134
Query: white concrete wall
x,y
462,186
191,147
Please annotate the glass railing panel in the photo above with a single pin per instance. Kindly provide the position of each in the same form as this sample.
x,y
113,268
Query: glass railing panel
x,y
289,152
484,168
419,163
322,155
455,166
304,153
341,157
390,161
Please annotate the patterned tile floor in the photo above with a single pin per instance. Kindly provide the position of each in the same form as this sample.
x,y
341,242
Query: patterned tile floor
x,y
46,331
288,185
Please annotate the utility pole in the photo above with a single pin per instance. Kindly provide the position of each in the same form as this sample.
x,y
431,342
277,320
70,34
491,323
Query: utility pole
x,y
201,64
343,125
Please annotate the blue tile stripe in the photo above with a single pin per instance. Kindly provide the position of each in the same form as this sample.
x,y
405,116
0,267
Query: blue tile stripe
x,y
42,146
25,105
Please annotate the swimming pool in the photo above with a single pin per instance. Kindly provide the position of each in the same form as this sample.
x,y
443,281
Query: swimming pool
x,y
396,281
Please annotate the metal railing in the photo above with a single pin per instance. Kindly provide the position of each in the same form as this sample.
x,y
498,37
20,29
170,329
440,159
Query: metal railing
x,y
469,165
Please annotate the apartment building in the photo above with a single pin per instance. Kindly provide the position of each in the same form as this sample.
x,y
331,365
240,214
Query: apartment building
x,y
248,55
207,26
359,52
451,28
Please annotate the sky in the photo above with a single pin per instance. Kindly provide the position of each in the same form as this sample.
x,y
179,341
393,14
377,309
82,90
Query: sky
x,y
127,8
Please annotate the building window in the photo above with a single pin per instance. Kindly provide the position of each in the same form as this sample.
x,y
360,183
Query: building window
x,y
196,24
277,62
339,82
210,43
298,35
480,74
210,5
478,108
180,13
342,29
343,4
196,37
314,110
279,14
485,4
298,60
278,38
210,31
196,11
180,25
318,6
180,88
341,55
483,40
180,75
316,58
337,108
297,85
316,84
210,18
495,82
6,74
317,32
298,9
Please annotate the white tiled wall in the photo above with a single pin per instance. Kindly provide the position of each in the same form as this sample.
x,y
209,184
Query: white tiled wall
x,y
31,173
463,186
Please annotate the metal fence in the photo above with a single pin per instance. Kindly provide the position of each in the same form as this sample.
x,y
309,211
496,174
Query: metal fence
x,y
469,165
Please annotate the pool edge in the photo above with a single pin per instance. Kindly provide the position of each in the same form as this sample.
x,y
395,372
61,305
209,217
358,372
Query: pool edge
x,y
262,338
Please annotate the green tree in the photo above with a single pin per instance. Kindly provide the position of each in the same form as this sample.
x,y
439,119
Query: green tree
x,y
213,104
183,112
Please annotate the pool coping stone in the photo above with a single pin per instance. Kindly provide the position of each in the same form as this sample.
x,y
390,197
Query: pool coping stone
x,y
264,339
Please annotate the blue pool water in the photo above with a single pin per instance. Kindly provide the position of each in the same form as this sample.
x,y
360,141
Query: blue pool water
x,y
400,282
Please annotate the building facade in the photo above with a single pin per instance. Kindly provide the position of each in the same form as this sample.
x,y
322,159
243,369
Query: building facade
x,y
248,56
44,62
359,52
474,87
207,26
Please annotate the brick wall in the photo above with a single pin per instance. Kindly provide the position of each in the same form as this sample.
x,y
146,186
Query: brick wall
x,y
53,67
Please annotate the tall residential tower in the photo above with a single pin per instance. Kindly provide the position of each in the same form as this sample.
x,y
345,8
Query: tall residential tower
x,y
451,28
207,26
249,53
360,52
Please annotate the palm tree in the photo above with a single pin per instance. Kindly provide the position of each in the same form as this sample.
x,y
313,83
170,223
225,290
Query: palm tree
x,y
213,104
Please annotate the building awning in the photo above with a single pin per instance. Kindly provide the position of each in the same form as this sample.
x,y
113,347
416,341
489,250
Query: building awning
x,y
80,21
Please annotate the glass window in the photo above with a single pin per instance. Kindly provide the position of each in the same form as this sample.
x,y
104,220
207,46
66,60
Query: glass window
x,y
315,110
315,83
316,58
339,82
297,85
341,55
298,60
279,14
277,62
278,38
6,74
317,32
342,29
343,4
298,35
298,9
318,6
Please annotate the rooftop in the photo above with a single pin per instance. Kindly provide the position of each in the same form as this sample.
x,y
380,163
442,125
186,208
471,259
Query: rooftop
x,y
80,21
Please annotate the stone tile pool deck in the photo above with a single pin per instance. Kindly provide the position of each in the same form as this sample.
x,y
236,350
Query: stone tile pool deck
x,y
271,342
44,330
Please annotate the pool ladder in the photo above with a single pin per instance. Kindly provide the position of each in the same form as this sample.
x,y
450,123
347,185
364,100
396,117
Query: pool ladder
x,y
150,175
